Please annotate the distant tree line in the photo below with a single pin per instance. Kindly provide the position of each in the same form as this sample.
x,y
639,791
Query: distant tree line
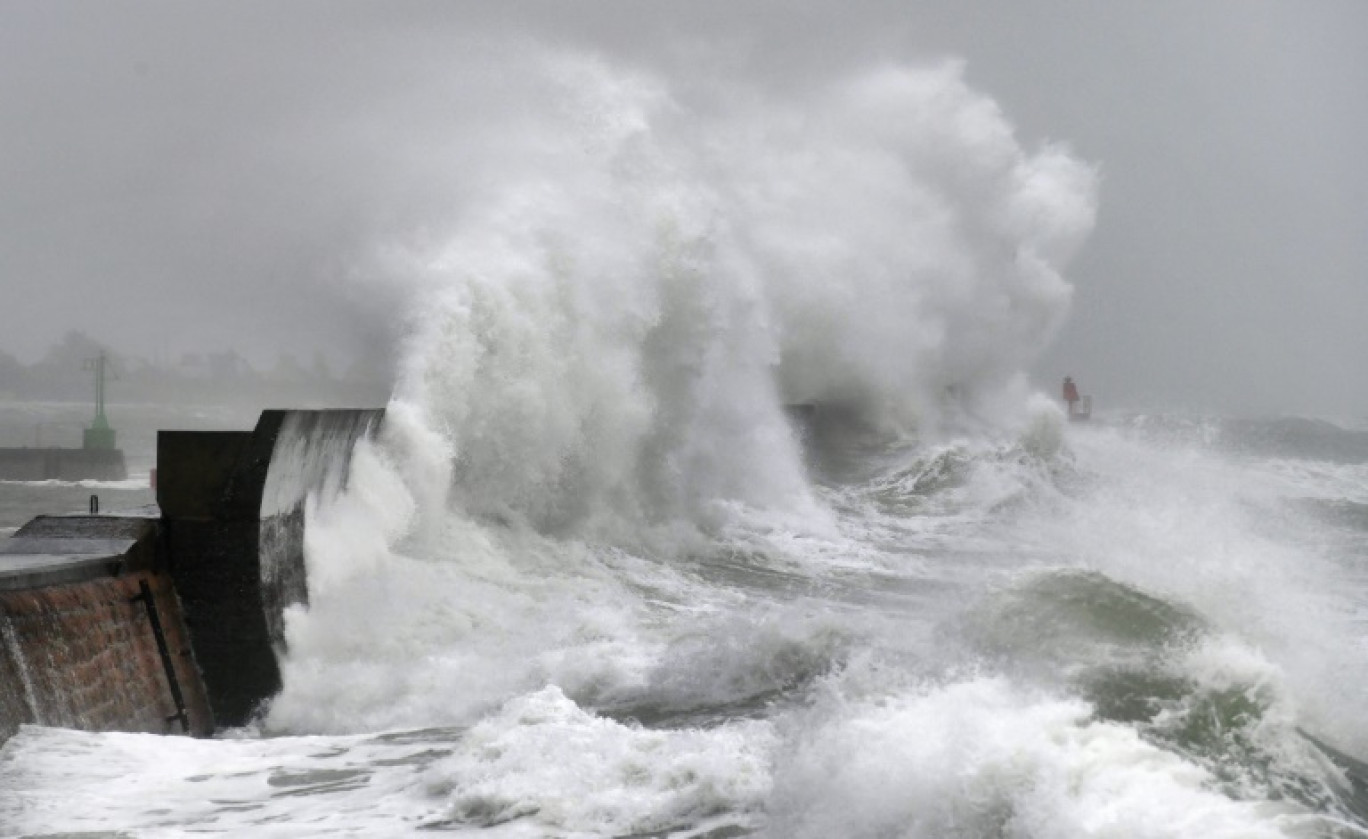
x,y
63,374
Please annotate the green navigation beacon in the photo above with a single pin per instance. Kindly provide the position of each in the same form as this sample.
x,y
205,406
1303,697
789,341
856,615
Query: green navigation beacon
x,y
99,435
97,459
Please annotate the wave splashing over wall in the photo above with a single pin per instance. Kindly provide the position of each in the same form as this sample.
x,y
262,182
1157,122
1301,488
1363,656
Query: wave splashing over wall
x,y
607,329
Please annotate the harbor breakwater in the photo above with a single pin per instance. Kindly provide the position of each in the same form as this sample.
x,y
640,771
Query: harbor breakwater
x,y
169,619
61,464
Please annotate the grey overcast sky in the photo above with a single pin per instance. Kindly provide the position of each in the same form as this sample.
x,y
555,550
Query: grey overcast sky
x,y
200,175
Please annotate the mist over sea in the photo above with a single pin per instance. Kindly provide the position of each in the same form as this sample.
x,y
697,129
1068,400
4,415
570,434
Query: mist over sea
x,y
598,577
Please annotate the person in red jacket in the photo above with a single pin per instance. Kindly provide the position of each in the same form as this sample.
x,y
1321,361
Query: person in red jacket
x,y
1070,393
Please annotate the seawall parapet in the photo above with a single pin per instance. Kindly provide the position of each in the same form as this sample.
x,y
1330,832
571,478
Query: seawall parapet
x,y
233,506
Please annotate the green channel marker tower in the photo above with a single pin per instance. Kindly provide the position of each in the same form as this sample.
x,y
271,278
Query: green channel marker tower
x,y
97,459
99,435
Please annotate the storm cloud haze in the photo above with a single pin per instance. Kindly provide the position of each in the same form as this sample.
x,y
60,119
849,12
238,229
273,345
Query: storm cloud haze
x,y
179,177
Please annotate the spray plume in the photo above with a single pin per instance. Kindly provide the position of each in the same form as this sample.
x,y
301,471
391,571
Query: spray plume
x,y
629,289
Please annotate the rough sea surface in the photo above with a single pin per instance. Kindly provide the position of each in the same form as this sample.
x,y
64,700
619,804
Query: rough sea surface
x,y
1155,629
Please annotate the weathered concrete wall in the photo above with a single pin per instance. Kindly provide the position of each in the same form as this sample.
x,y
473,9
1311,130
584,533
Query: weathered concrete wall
x,y
77,643
233,511
311,457
56,464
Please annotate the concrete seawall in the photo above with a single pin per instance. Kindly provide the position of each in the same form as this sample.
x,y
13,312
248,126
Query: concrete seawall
x,y
58,464
171,622
233,508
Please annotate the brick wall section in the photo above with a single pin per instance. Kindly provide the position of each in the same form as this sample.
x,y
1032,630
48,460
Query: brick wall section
x,y
84,656
77,644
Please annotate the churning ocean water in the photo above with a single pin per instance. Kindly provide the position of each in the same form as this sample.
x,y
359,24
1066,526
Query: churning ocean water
x,y
599,577
1146,627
